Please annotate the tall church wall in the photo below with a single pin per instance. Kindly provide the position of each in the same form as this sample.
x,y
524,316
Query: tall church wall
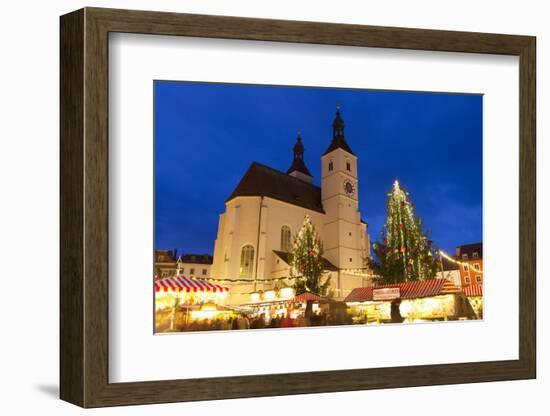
x,y
280,214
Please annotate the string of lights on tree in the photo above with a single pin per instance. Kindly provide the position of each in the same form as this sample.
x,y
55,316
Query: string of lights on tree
x,y
306,264
404,252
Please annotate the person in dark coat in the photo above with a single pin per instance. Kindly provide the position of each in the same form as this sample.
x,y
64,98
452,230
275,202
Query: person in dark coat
x,y
395,313
235,323
259,322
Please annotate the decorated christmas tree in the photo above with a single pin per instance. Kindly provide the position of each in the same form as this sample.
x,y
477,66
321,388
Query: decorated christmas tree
x,y
306,263
404,252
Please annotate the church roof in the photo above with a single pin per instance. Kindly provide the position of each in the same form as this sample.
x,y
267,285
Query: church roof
x,y
339,142
299,166
284,256
338,138
261,180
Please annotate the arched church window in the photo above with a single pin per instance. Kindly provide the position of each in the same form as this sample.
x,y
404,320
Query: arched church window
x,y
330,166
348,165
247,261
285,238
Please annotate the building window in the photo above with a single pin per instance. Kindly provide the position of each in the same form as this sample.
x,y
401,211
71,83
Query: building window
x,y
350,259
465,267
204,271
476,266
182,270
247,260
478,278
475,255
467,279
191,272
464,256
348,165
285,238
330,166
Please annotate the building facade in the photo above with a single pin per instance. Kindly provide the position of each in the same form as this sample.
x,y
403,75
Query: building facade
x,y
165,263
267,209
471,271
168,264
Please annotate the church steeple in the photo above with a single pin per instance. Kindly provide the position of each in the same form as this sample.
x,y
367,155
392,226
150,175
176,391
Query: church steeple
x,y
338,125
339,196
299,148
298,168
338,138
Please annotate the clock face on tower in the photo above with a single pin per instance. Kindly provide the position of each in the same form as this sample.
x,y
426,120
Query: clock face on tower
x,y
349,188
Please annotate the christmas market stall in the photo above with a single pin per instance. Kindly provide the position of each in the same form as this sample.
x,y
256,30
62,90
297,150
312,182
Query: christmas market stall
x,y
276,305
474,293
309,305
179,301
416,301
271,303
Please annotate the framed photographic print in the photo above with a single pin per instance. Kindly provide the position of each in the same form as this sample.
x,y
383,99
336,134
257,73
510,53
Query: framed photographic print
x,y
291,207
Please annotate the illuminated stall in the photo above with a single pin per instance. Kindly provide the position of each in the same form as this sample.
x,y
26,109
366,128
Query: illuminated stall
x,y
474,293
179,299
278,304
301,302
427,300
271,303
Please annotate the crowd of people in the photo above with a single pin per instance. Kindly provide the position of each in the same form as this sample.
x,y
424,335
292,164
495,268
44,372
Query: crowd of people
x,y
261,321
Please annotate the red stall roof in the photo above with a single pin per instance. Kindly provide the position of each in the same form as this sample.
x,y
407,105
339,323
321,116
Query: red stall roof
x,y
304,297
473,290
185,284
407,290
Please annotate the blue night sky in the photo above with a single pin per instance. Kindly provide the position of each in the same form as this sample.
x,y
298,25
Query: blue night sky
x,y
206,136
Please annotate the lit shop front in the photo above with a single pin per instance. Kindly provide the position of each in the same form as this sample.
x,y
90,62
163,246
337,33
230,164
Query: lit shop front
x,y
277,304
428,300
474,293
180,300
272,303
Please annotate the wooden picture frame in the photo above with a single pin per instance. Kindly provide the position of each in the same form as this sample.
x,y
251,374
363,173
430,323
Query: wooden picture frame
x,y
84,207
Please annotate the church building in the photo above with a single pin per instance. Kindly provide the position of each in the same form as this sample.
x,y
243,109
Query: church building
x,y
267,208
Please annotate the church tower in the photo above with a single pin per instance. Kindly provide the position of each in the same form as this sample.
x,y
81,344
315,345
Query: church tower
x,y
344,238
298,169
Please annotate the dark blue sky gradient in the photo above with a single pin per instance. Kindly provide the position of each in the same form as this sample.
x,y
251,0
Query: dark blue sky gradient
x,y
206,136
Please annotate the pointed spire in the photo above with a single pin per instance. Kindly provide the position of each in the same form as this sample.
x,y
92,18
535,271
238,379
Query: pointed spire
x,y
338,138
299,147
298,164
338,124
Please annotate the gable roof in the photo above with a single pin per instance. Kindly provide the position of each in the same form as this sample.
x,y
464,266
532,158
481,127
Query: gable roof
x,y
470,249
261,180
165,256
196,258
284,256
